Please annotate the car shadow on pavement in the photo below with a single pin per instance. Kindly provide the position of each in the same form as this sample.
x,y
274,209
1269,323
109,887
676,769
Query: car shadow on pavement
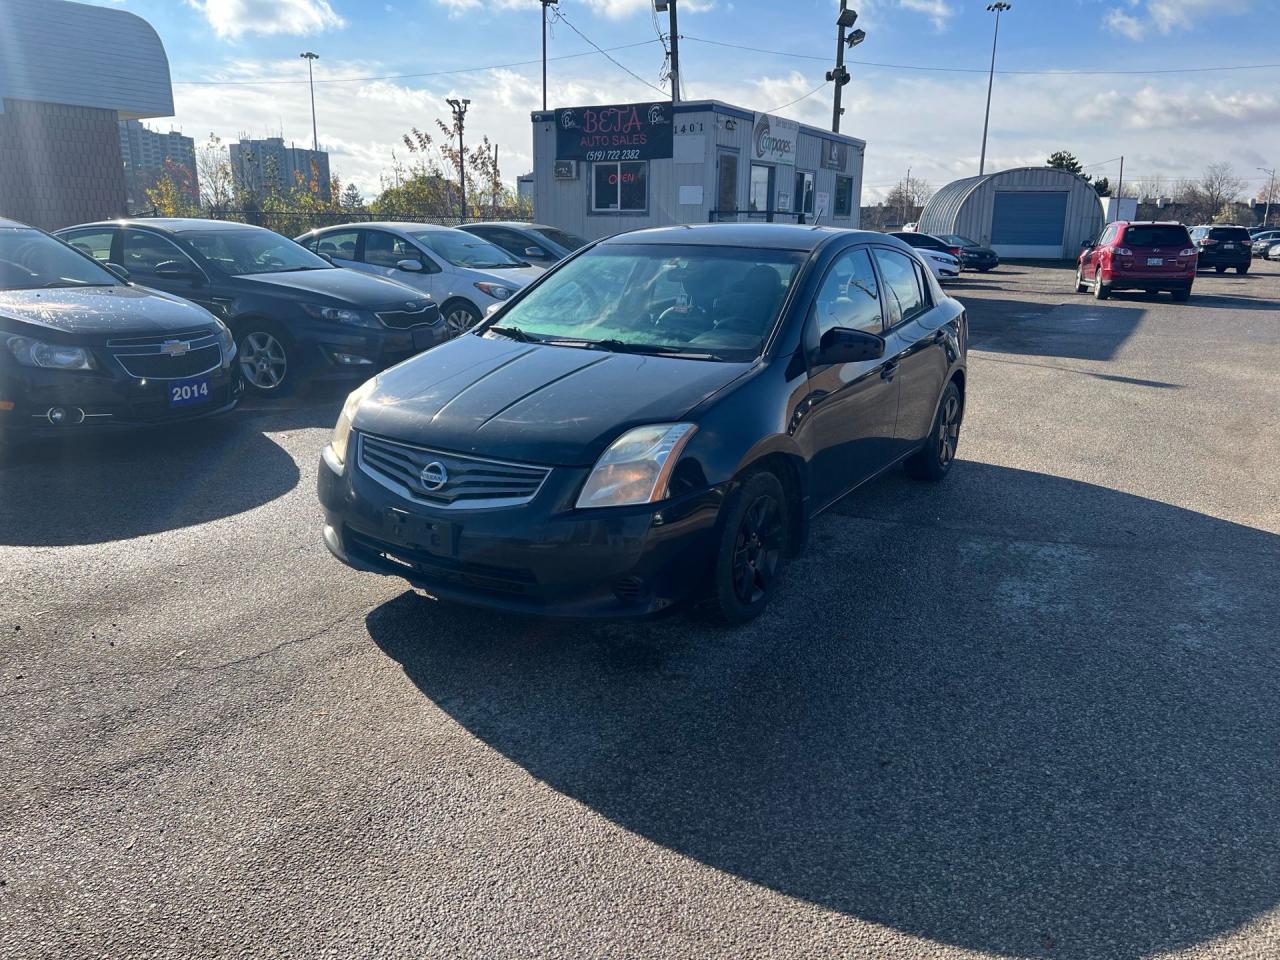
x,y
113,487
1079,330
1031,716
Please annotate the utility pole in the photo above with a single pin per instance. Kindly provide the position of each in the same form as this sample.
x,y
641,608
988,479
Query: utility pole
x,y
545,4
459,117
1271,189
997,9
840,74
1120,179
309,56
670,7
495,182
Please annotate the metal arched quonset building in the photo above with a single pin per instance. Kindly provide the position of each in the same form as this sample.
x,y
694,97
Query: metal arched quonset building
x,y
1032,212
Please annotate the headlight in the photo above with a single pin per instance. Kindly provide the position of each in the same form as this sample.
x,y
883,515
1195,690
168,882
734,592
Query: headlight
x,y
495,290
227,341
342,429
637,466
352,318
51,356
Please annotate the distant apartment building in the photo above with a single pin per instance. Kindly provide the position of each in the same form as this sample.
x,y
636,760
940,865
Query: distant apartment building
x,y
69,73
263,167
146,153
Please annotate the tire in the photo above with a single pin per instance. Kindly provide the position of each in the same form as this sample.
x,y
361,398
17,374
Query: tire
x,y
984,269
1100,290
751,555
1183,295
1219,269
459,316
1081,286
933,461
1242,270
267,358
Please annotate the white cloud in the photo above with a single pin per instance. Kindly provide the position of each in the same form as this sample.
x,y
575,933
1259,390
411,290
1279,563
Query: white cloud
x,y
232,18
1125,23
939,11
617,9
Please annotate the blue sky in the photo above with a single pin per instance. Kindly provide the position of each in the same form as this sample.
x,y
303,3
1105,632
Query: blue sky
x,y
1168,125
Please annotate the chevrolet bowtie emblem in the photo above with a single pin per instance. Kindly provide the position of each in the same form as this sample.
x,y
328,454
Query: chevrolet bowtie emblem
x,y
175,348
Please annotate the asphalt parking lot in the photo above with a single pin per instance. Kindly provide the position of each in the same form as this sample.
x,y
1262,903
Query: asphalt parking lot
x,y
1034,712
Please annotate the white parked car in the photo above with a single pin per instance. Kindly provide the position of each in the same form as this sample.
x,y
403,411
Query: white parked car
x,y
465,274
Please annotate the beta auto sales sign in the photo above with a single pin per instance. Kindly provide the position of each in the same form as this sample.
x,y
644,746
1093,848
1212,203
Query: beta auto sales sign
x,y
630,131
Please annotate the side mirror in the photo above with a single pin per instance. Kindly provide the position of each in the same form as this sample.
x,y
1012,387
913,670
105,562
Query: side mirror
x,y
843,345
118,270
534,252
490,310
327,259
409,266
1086,244
176,270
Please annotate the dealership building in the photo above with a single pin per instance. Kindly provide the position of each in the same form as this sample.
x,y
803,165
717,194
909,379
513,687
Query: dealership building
x,y
601,170
69,72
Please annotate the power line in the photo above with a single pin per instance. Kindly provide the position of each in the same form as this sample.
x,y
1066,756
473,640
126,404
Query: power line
x,y
561,17
419,76
1024,73
797,99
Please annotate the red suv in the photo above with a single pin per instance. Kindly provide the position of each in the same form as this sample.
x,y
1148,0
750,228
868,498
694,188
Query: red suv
x,y
1138,255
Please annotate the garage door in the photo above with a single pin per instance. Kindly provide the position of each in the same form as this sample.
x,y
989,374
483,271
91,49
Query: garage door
x,y
1029,218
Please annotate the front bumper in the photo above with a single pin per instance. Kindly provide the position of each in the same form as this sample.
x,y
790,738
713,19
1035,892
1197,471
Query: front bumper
x,y
96,402
359,352
544,557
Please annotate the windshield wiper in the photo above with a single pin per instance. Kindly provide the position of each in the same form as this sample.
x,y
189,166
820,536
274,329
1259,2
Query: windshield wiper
x,y
646,349
515,333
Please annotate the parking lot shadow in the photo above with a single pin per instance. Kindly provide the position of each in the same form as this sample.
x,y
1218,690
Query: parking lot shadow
x,y
1082,330
94,490
1035,717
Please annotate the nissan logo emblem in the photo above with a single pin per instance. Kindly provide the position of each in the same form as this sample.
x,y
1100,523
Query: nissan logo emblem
x,y
434,475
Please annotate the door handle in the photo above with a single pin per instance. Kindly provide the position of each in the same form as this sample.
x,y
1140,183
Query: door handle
x,y
888,370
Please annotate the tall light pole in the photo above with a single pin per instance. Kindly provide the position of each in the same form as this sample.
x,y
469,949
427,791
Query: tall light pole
x,y
997,9
840,74
459,117
1271,189
670,7
545,4
309,56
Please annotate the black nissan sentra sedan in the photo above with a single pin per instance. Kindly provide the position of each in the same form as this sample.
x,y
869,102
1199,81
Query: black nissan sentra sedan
x,y
82,350
656,419
296,317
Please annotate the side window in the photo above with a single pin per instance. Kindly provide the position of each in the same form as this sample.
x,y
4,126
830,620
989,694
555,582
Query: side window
x,y
386,249
899,274
339,246
96,243
1108,235
926,288
143,252
849,296
515,244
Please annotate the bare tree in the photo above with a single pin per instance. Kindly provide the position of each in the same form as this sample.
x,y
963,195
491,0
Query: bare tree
x,y
907,198
213,170
1219,186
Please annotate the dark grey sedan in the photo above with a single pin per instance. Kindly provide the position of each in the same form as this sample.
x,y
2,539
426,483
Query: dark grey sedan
x,y
537,243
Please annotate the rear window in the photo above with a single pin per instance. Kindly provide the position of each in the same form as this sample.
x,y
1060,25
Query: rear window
x,y
1156,236
1228,233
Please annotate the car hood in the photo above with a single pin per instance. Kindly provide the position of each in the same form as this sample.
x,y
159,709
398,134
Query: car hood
x,y
353,289
533,403
513,276
101,311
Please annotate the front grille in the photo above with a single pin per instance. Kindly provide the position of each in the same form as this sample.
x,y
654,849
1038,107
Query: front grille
x,y
423,316
468,482
439,570
155,358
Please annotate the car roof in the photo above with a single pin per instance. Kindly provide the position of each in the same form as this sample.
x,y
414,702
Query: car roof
x,y
771,236
1148,223
18,224
401,225
169,224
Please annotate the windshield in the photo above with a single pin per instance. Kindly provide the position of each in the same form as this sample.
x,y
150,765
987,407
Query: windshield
x,y
568,241
716,302
958,241
1156,236
253,250
30,259
463,249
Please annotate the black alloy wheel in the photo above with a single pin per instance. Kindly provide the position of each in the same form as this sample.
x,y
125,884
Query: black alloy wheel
x,y
751,556
933,461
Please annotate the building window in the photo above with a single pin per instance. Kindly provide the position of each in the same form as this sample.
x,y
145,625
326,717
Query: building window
x,y
844,197
760,199
804,193
620,187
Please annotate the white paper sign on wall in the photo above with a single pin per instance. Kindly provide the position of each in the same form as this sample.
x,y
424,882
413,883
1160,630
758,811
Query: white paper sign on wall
x,y
691,196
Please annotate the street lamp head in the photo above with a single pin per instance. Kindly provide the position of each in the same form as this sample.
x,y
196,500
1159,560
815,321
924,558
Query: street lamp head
x,y
847,18
309,56
660,5
856,37
999,7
